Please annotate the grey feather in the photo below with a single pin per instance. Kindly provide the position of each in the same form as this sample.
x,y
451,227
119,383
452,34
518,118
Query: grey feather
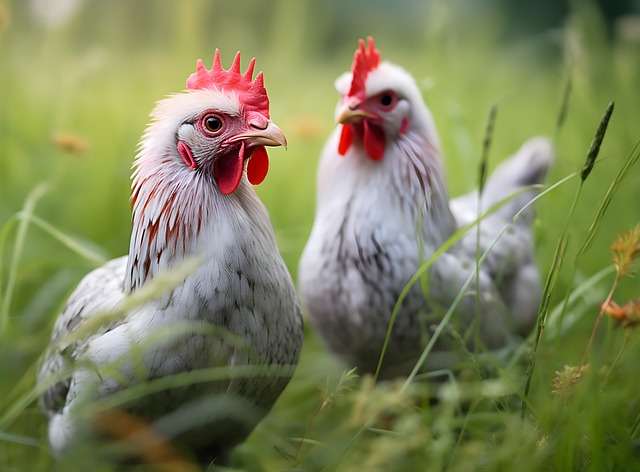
x,y
236,310
378,220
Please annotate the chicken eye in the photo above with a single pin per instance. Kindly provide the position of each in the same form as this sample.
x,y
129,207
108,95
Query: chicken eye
x,y
212,123
386,100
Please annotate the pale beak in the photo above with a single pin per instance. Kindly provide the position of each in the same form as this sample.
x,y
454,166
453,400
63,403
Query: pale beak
x,y
350,114
271,135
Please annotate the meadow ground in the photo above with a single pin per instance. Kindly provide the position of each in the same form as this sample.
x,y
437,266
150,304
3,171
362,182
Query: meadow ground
x,y
75,96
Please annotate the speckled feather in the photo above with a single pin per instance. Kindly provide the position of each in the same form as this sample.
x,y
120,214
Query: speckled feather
x,y
238,307
376,222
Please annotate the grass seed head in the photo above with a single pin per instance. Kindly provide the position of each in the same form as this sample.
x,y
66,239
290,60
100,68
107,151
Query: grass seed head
x,y
565,381
594,149
625,251
70,142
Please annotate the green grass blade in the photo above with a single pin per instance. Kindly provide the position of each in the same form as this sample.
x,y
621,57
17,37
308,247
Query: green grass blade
x,y
550,283
29,206
84,250
564,107
451,310
560,251
19,439
482,178
606,200
425,266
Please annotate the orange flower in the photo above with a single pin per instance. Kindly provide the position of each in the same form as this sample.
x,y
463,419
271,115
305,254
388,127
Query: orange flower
x,y
627,315
614,310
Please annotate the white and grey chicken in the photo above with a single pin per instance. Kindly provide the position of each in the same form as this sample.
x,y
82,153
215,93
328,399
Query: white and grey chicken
x,y
383,208
191,198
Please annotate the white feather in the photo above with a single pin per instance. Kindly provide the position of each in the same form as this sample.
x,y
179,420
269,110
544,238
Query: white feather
x,y
242,287
376,222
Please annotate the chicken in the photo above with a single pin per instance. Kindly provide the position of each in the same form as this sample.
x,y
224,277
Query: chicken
x,y
192,200
383,209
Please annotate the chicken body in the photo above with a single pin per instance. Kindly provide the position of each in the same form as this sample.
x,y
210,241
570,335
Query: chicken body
x,y
191,201
383,209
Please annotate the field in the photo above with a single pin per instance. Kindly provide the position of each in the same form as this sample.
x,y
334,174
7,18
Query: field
x,y
75,94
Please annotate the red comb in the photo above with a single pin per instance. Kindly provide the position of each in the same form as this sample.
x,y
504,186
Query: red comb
x,y
365,59
252,92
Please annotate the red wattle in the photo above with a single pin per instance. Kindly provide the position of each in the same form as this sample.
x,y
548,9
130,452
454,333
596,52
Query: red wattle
x,y
186,154
346,136
374,140
228,170
258,166
404,127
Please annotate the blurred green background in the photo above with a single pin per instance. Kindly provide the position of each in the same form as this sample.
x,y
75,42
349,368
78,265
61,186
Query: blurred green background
x,y
78,79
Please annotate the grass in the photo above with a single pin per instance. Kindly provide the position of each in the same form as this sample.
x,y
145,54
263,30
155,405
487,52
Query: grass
x,y
75,99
